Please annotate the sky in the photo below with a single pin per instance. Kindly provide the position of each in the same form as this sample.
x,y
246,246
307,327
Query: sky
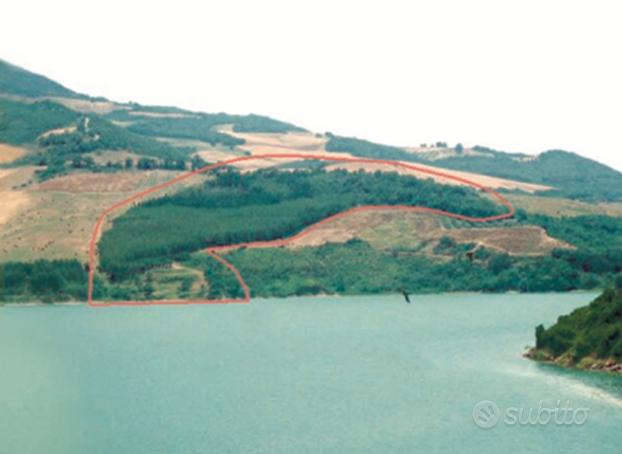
x,y
523,76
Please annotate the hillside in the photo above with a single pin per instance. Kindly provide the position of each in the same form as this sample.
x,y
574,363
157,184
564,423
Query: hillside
x,y
568,174
590,337
64,158
17,81
571,175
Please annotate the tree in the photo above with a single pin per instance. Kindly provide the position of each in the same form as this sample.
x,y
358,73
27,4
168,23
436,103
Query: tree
x,y
149,289
129,163
198,162
459,148
499,263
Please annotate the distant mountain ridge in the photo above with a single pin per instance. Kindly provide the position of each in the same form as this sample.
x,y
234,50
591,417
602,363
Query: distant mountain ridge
x,y
573,175
18,81
570,175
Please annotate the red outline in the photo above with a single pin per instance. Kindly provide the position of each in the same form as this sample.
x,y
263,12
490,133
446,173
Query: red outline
x,y
258,244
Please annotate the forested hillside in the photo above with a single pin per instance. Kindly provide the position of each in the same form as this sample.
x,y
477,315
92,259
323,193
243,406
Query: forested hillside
x,y
590,336
23,123
17,81
153,250
261,206
366,149
572,175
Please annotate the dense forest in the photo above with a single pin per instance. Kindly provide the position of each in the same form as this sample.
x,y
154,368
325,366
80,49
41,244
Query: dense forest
x,y
200,126
22,123
585,336
366,149
357,268
263,205
43,280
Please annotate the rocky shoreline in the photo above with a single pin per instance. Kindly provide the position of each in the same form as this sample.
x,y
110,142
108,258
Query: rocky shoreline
x,y
587,363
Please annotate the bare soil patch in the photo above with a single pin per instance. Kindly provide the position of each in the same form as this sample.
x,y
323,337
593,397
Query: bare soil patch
x,y
58,218
87,106
141,113
95,182
404,231
524,240
9,153
58,131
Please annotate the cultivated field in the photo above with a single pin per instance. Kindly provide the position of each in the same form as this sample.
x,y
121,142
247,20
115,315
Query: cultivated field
x,y
54,219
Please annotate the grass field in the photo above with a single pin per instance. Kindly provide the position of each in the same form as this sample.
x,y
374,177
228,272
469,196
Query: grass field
x,y
557,206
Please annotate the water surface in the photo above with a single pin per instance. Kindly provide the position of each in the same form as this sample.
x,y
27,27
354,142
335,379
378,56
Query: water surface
x,y
330,374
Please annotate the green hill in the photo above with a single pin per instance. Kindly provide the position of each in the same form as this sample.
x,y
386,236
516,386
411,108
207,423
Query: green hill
x,y
590,337
17,81
572,175
23,123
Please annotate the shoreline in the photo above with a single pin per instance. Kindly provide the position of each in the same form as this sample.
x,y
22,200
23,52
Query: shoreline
x,y
588,364
317,295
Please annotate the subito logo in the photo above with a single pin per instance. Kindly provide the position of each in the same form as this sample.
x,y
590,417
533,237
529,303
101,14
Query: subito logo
x,y
486,414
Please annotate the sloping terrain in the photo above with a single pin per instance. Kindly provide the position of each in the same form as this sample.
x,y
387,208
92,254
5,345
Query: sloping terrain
x,y
64,157
301,142
590,337
403,231
18,81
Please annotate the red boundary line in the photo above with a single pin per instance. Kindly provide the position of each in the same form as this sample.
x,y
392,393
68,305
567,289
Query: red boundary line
x,y
212,251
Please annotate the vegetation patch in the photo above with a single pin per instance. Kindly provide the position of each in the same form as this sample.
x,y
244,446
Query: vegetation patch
x,y
574,176
264,205
47,281
23,123
590,336
17,81
357,268
364,148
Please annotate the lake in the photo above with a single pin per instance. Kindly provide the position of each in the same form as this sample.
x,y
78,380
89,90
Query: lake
x,y
315,374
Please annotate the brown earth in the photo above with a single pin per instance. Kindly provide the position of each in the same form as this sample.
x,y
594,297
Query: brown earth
x,y
54,219
9,153
96,182
58,131
414,231
87,106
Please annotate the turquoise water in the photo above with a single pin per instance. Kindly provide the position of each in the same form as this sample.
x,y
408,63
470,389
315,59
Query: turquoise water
x,y
337,375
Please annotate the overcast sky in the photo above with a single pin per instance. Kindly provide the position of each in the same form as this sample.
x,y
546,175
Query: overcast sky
x,y
518,76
